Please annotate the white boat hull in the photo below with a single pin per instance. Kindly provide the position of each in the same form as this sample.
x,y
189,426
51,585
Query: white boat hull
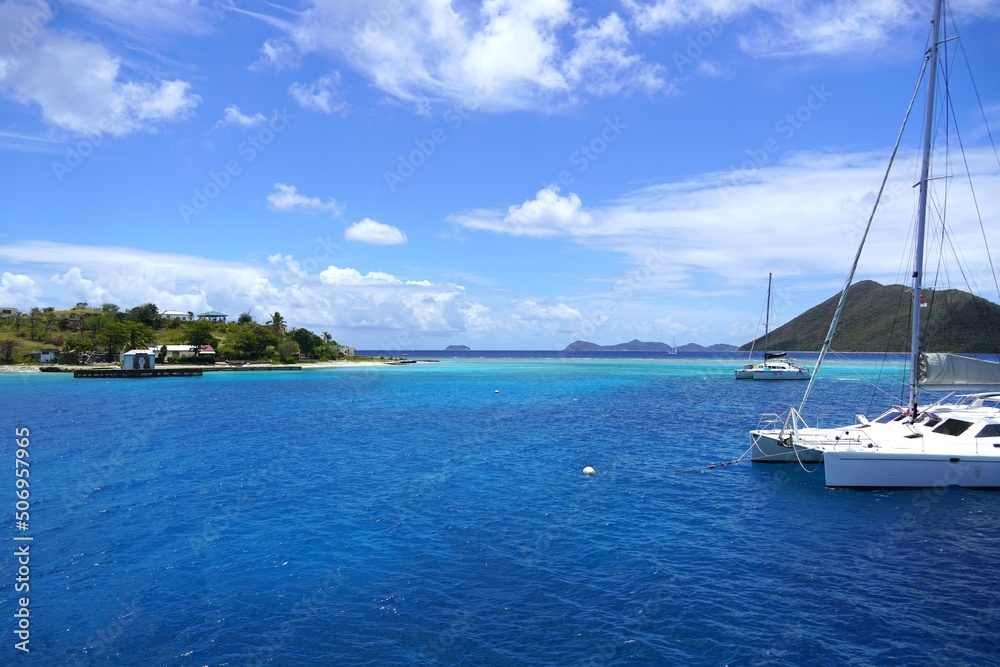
x,y
879,469
800,374
767,449
772,370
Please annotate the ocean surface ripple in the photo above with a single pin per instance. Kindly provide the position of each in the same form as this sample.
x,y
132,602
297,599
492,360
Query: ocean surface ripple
x,y
436,514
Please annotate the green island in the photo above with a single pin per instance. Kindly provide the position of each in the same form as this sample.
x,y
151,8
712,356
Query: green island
x,y
83,335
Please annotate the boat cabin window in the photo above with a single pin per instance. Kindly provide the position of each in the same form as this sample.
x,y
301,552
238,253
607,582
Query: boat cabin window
x,y
889,416
989,431
953,427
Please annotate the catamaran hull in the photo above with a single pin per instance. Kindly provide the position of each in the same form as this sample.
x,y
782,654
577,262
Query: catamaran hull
x,y
767,449
862,469
780,375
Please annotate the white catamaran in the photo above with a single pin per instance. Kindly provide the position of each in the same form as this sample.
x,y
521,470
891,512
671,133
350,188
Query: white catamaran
x,y
953,443
776,365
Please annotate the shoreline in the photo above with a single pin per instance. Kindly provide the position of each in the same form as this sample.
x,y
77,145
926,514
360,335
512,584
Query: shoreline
x,y
67,368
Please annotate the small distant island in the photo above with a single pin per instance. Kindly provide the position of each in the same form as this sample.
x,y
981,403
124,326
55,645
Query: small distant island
x,y
458,348
643,346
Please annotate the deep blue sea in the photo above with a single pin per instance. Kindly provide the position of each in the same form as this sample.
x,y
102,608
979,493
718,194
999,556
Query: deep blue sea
x,y
435,513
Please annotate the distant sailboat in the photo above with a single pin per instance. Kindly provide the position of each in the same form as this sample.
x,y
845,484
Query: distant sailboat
x,y
776,365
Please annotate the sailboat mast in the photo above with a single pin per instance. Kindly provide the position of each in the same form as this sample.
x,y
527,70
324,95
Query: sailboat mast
x,y
918,253
767,314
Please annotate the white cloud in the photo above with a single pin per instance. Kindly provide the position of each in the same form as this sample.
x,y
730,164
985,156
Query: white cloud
x,y
443,51
724,228
601,64
548,214
147,18
373,308
668,14
333,275
277,55
287,198
531,310
831,29
375,233
233,116
790,28
319,95
78,85
18,290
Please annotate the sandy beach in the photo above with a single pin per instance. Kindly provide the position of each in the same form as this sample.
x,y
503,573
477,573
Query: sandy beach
x,y
25,368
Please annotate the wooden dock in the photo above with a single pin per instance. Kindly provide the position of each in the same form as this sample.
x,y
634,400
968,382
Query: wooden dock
x,y
166,371
142,373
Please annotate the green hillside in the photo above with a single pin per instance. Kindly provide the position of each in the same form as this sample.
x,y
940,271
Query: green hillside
x,y
876,318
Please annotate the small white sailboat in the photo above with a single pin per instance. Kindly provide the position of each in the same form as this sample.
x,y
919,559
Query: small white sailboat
x,y
776,365
954,443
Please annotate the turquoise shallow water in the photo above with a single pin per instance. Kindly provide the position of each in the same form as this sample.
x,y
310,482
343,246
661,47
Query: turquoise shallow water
x,y
412,515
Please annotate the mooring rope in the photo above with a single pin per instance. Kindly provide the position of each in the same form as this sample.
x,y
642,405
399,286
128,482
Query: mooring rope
x,y
717,465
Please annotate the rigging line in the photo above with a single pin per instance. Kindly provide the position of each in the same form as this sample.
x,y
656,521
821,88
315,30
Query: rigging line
x,y
975,200
975,89
947,239
864,237
885,353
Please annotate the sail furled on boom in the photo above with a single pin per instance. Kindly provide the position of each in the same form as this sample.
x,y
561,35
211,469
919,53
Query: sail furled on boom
x,y
951,372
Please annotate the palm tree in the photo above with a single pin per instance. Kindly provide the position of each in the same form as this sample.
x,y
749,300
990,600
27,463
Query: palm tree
x,y
49,317
277,322
35,314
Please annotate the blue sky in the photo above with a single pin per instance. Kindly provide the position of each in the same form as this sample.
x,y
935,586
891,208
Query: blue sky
x,y
504,174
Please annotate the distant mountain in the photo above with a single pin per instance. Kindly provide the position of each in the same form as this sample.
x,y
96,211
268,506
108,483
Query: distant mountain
x,y
631,346
458,348
641,346
876,318
718,347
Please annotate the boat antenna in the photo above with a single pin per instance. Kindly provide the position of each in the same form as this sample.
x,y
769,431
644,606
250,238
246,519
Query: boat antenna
x,y
864,237
918,253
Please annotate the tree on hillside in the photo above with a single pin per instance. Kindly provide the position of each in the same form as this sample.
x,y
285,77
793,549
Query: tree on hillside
x,y
7,349
200,333
115,337
75,347
112,338
34,317
249,341
245,318
287,349
308,342
147,313
48,317
109,309
140,336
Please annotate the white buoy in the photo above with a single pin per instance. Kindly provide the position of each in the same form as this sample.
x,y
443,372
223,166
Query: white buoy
x,y
589,471
496,391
